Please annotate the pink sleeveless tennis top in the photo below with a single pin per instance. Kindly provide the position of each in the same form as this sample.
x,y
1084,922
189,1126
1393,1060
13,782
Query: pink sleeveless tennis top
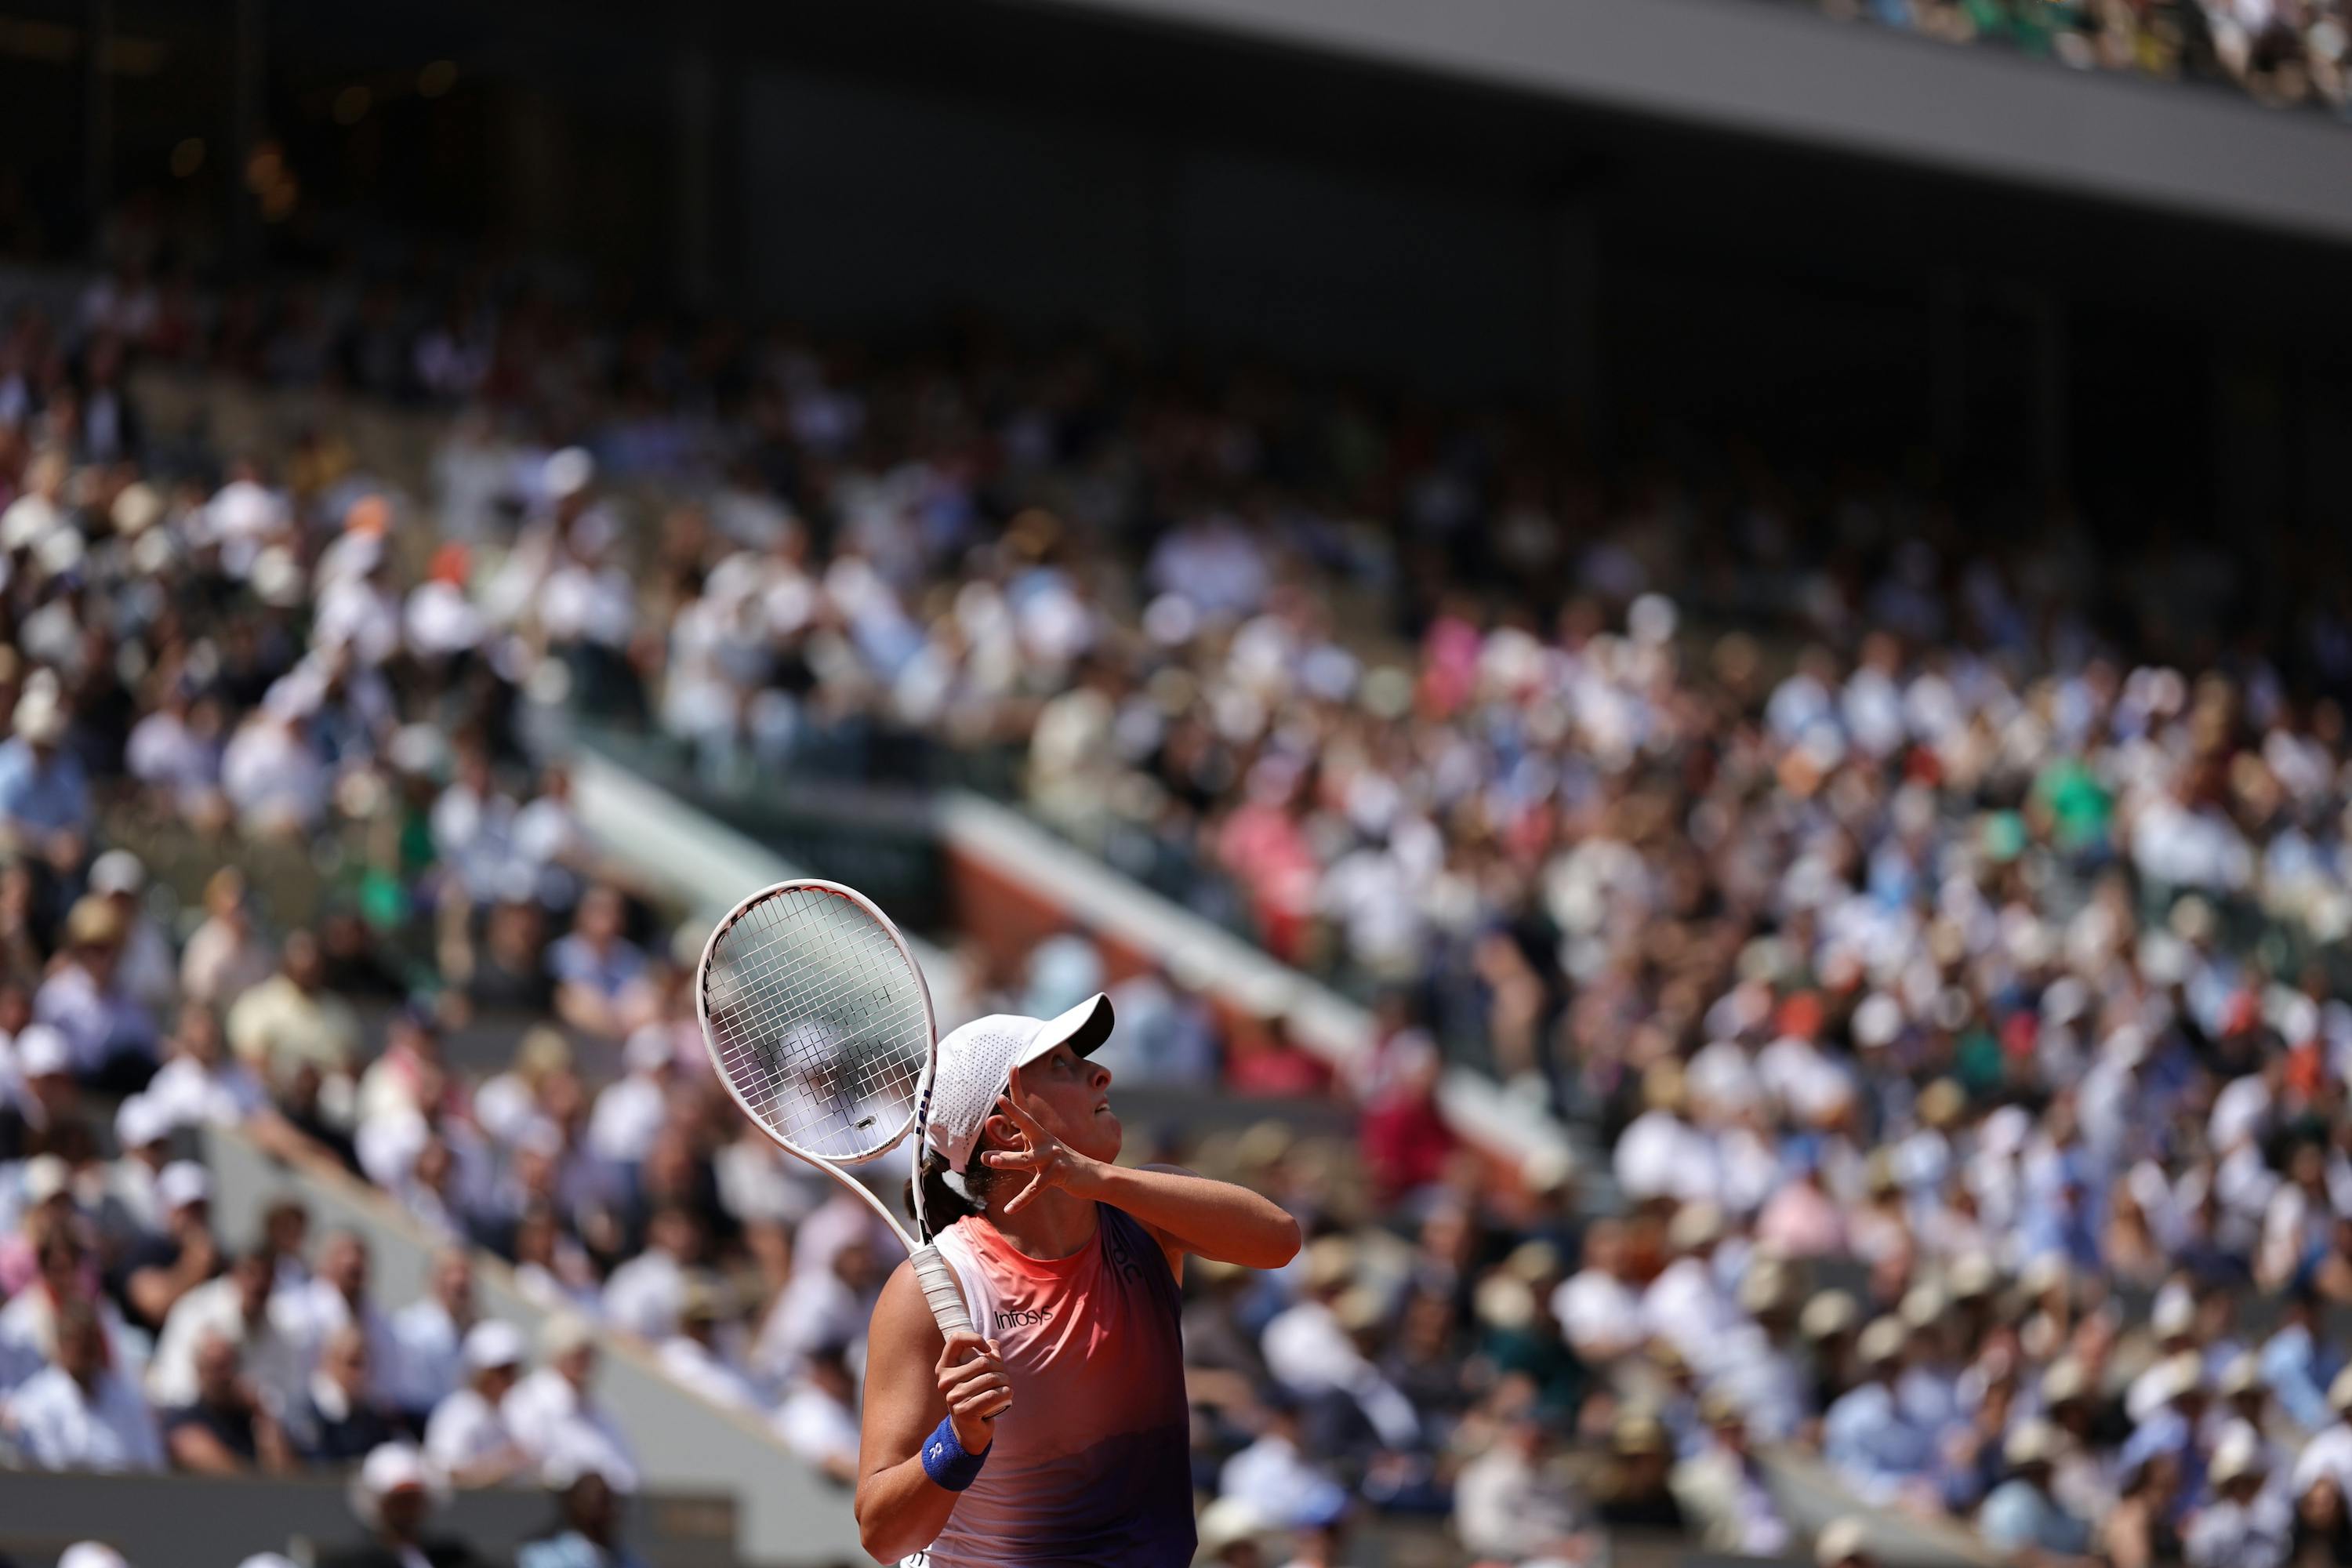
x,y
1091,1466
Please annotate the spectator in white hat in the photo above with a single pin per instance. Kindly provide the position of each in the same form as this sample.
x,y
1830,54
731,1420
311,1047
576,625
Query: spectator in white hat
x,y
2245,1525
1233,1535
1634,1493
81,1411
2023,1516
2242,1402
2329,1454
48,1096
467,1435
143,1131
92,1555
2181,1393
394,1496
1843,1542
2173,1321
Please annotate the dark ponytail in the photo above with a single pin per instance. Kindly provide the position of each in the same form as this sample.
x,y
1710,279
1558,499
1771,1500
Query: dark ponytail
x,y
943,1204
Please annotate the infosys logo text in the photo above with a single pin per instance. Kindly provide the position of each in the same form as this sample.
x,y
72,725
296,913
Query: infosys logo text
x,y
1024,1320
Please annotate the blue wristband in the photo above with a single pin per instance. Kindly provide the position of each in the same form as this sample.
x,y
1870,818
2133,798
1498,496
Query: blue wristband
x,y
945,1461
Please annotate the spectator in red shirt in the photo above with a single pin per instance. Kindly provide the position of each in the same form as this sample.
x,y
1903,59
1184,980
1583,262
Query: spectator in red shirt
x,y
1406,1142
1262,1059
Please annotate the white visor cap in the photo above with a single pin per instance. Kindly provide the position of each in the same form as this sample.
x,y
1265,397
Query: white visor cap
x,y
976,1063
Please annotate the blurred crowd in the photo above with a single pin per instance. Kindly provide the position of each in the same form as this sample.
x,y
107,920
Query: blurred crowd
x,y
213,660
1944,937
2286,54
220,659
395,1493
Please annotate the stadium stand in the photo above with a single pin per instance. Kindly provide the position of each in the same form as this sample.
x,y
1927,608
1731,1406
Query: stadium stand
x,y
2285,55
1799,998
1954,991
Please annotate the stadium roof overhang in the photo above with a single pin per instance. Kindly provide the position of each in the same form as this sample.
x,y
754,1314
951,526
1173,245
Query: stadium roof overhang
x,y
1786,74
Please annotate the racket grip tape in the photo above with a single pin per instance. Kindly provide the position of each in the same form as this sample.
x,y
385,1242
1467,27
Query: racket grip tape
x,y
941,1291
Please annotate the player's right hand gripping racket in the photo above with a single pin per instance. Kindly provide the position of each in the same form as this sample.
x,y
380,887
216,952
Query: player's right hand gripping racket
x,y
817,1018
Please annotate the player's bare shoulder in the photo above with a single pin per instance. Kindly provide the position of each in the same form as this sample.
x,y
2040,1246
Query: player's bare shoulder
x,y
901,1316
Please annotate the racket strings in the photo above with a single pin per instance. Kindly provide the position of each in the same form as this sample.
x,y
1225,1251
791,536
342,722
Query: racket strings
x,y
819,1022
815,1055
790,1049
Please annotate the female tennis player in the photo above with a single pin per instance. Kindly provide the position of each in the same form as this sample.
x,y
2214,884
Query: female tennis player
x,y
1055,1436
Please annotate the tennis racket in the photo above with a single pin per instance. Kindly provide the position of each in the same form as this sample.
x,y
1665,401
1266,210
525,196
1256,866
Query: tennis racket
x,y
818,1020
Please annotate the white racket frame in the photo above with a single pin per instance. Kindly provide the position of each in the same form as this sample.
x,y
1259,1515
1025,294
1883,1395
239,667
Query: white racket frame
x,y
932,1272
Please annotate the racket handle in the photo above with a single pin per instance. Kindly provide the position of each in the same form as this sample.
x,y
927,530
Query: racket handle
x,y
940,1290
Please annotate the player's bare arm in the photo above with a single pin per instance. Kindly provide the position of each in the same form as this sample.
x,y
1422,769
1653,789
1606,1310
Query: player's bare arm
x,y
915,1377
1188,1213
